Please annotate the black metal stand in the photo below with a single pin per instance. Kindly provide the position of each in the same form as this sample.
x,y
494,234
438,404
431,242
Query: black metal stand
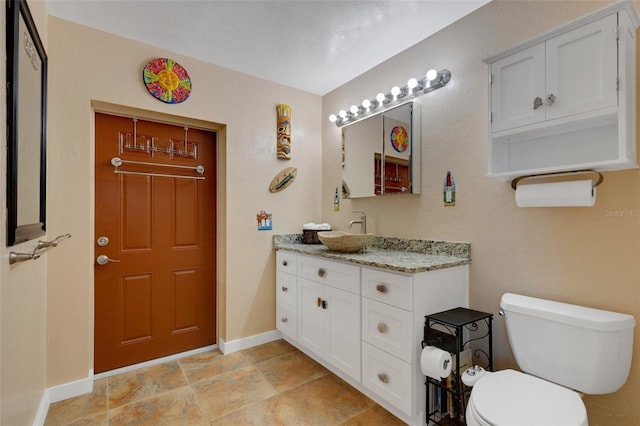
x,y
453,331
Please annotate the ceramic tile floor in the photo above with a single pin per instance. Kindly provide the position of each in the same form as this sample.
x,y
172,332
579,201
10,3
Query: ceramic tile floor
x,y
271,384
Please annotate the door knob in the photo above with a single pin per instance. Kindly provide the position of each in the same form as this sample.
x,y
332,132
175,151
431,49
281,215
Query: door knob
x,y
103,259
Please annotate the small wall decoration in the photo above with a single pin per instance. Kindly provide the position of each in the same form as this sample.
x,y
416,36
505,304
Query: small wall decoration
x,y
284,131
399,139
167,80
264,221
283,179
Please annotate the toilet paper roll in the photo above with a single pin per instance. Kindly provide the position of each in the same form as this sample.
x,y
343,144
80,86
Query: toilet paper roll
x,y
435,362
557,194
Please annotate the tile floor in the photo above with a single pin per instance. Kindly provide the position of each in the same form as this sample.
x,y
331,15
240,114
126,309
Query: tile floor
x,y
271,384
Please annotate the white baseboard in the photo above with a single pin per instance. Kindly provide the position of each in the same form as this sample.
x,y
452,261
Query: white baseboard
x,y
248,342
43,409
71,389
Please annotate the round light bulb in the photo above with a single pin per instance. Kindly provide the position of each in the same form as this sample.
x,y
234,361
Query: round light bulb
x,y
342,114
333,118
412,83
381,97
354,109
432,74
395,90
366,104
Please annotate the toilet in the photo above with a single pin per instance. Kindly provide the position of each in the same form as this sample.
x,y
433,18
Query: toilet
x,y
564,351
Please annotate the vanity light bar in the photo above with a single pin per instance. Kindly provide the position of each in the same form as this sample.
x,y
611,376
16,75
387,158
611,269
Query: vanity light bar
x,y
433,80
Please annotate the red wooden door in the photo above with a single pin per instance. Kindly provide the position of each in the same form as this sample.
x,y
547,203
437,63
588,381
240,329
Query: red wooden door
x,y
157,296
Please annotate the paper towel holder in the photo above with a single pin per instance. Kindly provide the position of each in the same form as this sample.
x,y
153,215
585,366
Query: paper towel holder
x,y
514,183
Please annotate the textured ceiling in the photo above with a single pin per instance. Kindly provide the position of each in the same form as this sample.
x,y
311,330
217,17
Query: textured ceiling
x,y
312,45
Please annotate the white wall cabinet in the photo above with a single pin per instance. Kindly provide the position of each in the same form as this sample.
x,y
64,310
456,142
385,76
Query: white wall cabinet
x,y
366,324
565,100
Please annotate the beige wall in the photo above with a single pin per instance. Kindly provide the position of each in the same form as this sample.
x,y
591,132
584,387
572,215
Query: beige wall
x,y
22,294
97,66
582,255
578,255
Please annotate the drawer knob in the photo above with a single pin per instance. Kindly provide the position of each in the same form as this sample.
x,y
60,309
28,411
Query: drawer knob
x,y
285,263
381,288
321,273
284,319
383,378
382,327
284,288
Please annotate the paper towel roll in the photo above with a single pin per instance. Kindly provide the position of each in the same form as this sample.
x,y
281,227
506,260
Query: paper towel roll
x,y
556,194
435,362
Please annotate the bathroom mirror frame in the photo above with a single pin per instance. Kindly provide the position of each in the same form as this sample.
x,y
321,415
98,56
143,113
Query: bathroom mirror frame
x,y
372,166
26,125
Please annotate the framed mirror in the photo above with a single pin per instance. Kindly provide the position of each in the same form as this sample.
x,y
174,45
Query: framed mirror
x,y
26,123
381,154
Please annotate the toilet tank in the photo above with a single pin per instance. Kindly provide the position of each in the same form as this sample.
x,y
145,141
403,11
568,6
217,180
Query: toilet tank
x,y
585,349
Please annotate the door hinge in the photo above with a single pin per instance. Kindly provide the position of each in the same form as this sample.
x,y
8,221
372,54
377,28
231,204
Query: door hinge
x,y
491,117
617,84
490,79
617,32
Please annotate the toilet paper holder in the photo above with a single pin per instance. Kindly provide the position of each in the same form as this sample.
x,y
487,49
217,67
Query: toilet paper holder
x,y
514,183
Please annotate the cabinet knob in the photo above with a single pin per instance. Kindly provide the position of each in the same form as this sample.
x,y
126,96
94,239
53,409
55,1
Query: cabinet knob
x,y
381,288
319,302
537,102
321,273
284,288
285,263
284,319
383,378
551,98
382,327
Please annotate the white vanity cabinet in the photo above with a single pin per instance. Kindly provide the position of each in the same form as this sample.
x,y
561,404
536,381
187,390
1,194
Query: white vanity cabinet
x,y
329,312
565,100
394,306
366,324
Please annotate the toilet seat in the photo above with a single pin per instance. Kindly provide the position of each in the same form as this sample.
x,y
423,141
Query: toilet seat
x,y
508,398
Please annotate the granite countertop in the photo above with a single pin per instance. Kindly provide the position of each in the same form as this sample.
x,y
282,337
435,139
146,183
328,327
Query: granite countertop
x,y
402,255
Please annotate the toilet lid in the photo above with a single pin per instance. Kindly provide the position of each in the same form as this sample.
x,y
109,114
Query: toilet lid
x,y
509,397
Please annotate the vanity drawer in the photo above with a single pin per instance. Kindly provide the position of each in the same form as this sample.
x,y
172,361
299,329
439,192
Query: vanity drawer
x,y
287,321
286,262
387,377
286,289
335,274
390,288
388,328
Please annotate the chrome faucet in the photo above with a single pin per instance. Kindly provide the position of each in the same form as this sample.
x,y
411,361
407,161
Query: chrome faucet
x,y
362,221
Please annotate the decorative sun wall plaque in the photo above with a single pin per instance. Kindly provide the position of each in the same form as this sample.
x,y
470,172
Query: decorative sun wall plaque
x,y
284,131
167,80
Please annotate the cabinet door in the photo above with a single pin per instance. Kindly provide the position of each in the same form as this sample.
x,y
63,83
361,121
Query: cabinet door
x,y
343,331
516,82
311,329
582,69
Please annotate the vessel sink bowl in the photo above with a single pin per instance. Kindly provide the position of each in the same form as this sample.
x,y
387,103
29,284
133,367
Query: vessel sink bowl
x,y
344,242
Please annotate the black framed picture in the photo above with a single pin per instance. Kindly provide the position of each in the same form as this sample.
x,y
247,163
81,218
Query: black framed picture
x,y
27,126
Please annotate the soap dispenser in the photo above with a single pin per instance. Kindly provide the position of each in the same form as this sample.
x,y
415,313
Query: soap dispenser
x,y
449,190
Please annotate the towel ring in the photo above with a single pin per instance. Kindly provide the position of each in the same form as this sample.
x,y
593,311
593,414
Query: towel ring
x,y
514,183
